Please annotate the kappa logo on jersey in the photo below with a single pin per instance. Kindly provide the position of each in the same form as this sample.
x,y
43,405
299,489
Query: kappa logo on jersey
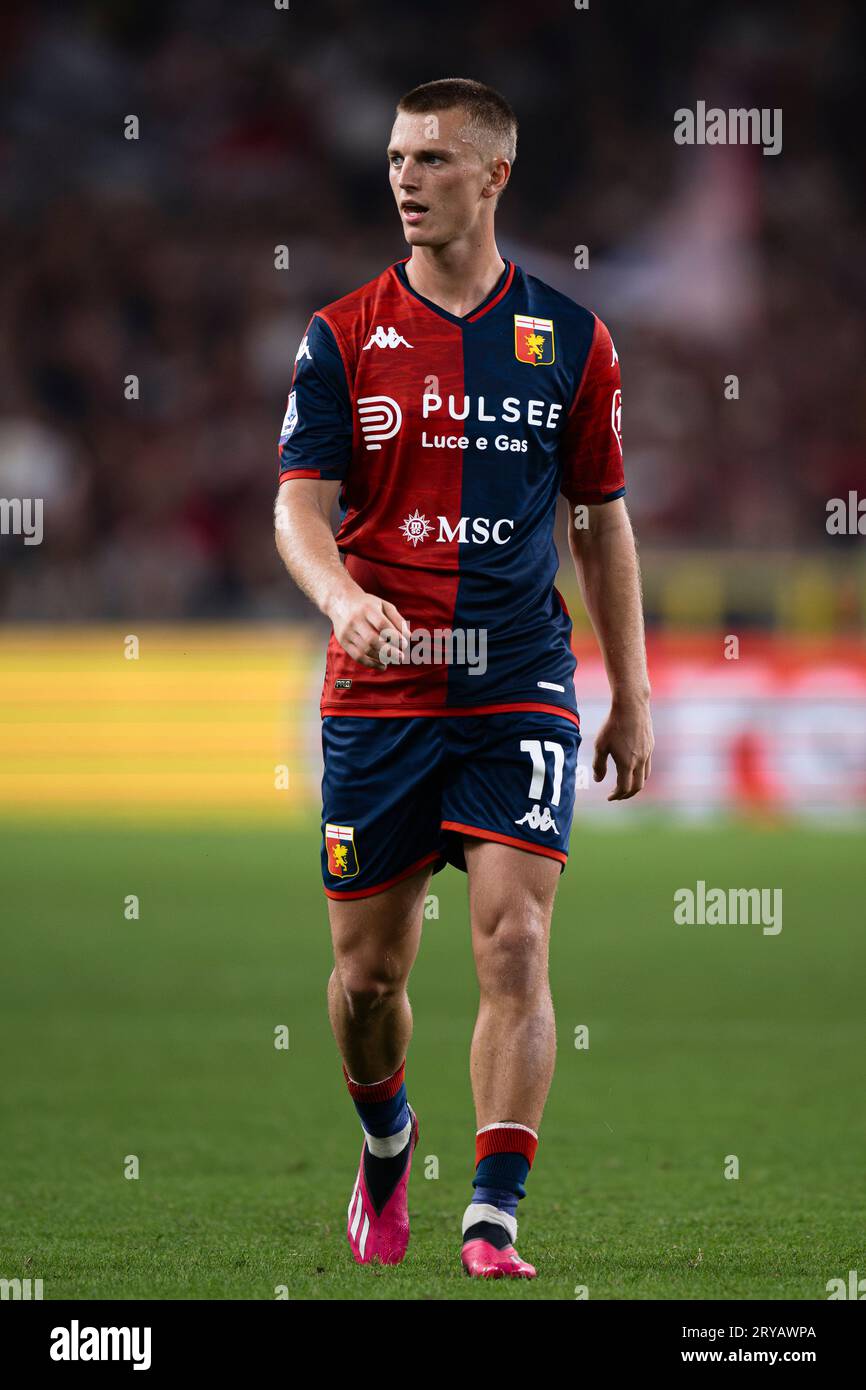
x,y
381,417
417,528
304,350
616,417
290,418
385,338
534,340
340,844
537,819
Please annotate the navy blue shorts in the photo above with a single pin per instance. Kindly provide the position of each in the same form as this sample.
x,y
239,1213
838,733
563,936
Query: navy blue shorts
x,y
398,794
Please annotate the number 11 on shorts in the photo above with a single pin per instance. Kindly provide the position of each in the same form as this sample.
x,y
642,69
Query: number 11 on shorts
x,y
533,746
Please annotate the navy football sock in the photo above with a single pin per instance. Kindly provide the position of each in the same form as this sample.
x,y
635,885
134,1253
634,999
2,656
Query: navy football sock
x,y
503,1175
499,1181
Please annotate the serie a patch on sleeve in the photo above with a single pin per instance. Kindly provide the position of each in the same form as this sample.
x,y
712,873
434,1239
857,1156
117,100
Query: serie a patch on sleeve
x,y
290,418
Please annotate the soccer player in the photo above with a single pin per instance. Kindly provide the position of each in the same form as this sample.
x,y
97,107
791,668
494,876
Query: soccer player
x,y
447,403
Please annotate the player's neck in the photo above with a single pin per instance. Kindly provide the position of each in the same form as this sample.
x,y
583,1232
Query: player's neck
x,y
456,277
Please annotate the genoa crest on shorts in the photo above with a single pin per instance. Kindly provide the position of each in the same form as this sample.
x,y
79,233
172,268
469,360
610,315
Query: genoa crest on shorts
x,y
340,844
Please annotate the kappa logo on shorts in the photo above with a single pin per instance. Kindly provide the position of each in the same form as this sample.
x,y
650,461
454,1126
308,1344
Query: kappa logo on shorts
x,y
342,856
537,819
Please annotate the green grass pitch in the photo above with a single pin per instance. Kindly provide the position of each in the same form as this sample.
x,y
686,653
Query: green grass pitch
x,y
155,1038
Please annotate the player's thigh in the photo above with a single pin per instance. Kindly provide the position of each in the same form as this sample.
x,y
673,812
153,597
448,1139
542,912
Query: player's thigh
x,y
376,938
381,838
511,894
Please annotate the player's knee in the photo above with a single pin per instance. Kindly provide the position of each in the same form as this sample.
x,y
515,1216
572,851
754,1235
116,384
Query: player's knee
x,y
367,986
511,951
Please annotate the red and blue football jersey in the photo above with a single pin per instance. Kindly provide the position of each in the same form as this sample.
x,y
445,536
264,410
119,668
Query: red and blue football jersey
x,y
452,439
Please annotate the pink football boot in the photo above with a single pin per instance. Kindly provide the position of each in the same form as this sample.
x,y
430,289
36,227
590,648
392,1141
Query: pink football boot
x,y
384,1235
482,1259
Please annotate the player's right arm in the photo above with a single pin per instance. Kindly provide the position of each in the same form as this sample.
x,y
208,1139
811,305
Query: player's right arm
x,y
315,453
306,545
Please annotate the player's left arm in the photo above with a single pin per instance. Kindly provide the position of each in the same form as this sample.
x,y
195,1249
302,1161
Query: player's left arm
x,y
602,545
606,564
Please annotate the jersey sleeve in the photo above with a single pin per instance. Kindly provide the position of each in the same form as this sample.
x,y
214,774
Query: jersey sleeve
x,y
316,437
591,448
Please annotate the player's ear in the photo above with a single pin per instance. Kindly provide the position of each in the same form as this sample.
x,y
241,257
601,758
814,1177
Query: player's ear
x,y
500,173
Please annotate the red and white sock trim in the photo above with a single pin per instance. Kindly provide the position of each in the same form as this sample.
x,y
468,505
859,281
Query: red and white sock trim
x,y
505,1137
376,1090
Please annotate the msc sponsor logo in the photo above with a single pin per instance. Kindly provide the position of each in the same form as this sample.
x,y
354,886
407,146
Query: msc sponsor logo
x,y
381,418
415,528
468,530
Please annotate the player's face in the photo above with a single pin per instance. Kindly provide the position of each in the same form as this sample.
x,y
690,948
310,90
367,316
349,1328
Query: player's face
x,y
438,178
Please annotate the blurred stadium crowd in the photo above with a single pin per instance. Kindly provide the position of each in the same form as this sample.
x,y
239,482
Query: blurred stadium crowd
x,y
261,127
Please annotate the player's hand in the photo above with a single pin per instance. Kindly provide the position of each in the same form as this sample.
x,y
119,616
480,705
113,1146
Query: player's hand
x,y
627,737
370,630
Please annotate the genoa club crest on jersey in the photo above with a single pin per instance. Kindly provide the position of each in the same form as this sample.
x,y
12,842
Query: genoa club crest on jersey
x,y
533,340
342,858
